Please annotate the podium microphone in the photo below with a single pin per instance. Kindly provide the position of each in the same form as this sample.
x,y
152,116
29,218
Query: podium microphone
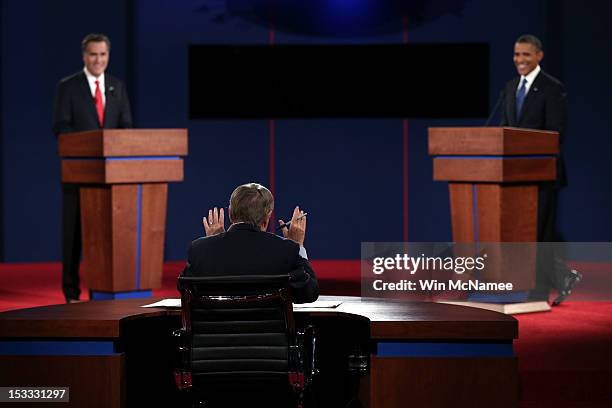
x,y
494,111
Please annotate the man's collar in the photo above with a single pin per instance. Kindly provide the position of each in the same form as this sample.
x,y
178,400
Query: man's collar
x,y
532,75
91,76
243,226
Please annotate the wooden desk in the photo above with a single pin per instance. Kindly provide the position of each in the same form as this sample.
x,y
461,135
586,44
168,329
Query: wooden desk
x,y
117,354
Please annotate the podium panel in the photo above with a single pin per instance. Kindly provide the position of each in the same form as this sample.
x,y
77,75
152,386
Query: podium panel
x,y
122,170
493,175
123,175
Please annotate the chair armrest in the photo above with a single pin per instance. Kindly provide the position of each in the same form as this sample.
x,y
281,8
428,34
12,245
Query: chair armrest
x,y
306,353
182,361
359,361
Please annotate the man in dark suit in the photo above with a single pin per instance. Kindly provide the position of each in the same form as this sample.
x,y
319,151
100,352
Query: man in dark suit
x,y
543,102
536,100
87,100
247,249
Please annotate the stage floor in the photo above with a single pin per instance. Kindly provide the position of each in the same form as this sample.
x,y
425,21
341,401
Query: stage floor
x,y
565,356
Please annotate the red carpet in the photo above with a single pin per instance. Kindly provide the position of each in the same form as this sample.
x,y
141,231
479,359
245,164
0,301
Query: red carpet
x,y
565,356
30,285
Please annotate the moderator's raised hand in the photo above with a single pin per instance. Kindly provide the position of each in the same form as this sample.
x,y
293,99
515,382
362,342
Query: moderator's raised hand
x,y
297,228
215,223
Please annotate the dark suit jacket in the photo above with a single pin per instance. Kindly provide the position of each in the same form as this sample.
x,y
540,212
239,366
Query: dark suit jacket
x,y
75,110
545,108
245,250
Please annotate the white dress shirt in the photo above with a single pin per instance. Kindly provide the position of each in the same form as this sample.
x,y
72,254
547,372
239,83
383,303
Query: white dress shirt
x,y
92,85
530,77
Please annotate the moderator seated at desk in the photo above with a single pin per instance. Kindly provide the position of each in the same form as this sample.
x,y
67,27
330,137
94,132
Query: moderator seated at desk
x,y
117,354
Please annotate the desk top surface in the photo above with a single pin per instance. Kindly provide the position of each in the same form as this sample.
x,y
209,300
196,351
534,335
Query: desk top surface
x,y
388,319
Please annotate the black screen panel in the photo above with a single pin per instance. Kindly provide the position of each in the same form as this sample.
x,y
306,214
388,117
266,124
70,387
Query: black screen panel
x,y
325,81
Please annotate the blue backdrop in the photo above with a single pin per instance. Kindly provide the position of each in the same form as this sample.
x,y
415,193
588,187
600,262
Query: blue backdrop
x,y
348,174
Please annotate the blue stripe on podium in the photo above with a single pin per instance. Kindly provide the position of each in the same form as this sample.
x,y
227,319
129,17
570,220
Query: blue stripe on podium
x,y
135,294
122,158
495,156
138,234
475,213
421,349
57,348
503,298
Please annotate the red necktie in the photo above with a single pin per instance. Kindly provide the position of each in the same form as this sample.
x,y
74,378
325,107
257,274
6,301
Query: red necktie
x,y
99,104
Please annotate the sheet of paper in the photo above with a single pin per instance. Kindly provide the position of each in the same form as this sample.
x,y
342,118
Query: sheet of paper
x,y
319,304
176,303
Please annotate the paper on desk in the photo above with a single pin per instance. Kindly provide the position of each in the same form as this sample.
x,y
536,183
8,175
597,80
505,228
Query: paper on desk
x,y
319,304
166,303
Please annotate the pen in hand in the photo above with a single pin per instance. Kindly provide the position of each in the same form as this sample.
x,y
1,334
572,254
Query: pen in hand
x,y
286,225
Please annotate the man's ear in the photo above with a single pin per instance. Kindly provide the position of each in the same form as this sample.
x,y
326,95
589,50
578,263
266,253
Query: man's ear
x,y
264,227
229,214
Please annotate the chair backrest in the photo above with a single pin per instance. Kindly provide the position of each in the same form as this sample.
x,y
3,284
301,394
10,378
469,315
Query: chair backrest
x,y
240,332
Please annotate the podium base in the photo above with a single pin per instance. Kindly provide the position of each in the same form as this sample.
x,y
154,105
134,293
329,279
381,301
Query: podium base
x,y
135,294
512,297
507,308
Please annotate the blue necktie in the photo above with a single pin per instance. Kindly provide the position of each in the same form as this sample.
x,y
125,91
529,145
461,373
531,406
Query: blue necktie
x,y
520,98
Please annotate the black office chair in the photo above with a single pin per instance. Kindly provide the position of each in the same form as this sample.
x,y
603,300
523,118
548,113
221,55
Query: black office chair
x,y
239,344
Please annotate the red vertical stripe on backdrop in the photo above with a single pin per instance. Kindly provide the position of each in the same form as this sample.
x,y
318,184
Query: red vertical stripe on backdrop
x,y
405,179
271,34
272,145
272,158
405,145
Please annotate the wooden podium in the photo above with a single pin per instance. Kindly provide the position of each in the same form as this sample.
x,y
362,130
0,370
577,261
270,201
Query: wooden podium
x,y
493,175
124,175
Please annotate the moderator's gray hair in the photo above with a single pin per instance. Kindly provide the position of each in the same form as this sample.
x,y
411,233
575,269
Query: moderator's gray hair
x,y
251,203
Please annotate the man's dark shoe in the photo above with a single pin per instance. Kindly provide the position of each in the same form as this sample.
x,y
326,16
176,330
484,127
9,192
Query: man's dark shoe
x,y
570,280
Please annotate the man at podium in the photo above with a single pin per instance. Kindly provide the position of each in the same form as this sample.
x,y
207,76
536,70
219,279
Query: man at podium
x,y
536,100
87,100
